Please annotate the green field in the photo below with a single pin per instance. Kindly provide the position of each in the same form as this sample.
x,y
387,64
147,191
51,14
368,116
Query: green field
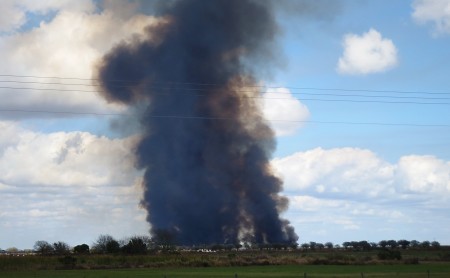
x,y
326,264
410,271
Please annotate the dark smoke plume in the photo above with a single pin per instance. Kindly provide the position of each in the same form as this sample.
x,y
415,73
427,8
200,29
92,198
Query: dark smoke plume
x,y
205,148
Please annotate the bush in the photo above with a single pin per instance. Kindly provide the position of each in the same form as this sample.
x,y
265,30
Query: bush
x,y
135,246
386,254
81,249
444,256
414,260
68,262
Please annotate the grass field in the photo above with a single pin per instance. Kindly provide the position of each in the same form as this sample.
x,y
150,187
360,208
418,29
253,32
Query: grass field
x,y
252,264
310,271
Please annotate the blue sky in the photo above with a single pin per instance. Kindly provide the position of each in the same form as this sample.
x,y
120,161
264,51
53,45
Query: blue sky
x,y
71,177
422,66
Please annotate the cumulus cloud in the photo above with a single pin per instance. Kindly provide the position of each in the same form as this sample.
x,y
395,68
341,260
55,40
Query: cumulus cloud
x,y
345,189
285,112
55,183
424,174
14,12
69,159
368,53
12,16
69,45
346,172
435,12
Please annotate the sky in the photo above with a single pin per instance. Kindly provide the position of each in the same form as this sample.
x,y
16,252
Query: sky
x,y
359,103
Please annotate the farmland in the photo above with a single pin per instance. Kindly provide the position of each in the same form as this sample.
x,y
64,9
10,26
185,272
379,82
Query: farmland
x,y
379,271
336,263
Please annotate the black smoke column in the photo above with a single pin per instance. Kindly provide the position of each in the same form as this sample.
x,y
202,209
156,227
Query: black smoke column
x,y
205,148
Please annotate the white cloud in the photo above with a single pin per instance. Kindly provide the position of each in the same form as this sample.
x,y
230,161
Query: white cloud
x,y
424,174
436,12
343,189
368,53
69,45
67,180
69,159
14,11
348,172
12,17
64,159
309,203
348,224
285,112
336,171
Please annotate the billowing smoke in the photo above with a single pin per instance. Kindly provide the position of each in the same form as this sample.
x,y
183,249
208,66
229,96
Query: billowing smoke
x,y
205,145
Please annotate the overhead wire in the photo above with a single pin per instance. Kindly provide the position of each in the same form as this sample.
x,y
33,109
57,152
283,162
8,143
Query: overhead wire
x,y
215,84
270,98
224,118
266,93
174,86
203,89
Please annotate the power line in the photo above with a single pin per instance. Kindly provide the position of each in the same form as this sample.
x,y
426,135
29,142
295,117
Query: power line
x,y
222,118
49,83
215,84
44,77
377,101
61,112
261,97
47,89
203,89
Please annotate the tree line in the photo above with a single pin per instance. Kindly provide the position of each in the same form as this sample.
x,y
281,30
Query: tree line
x,y
107,244
367,246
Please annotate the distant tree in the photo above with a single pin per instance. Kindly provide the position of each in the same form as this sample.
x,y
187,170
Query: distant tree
x,y
106,244
136,245
293,245
414,243
383,244
425,244
373,245
435,244
113,247
364,245
312,245
81,249
347,245
12,250
320,246
43,247
61,248
305,246
165,240
403,243
354,245
392,243
329,245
